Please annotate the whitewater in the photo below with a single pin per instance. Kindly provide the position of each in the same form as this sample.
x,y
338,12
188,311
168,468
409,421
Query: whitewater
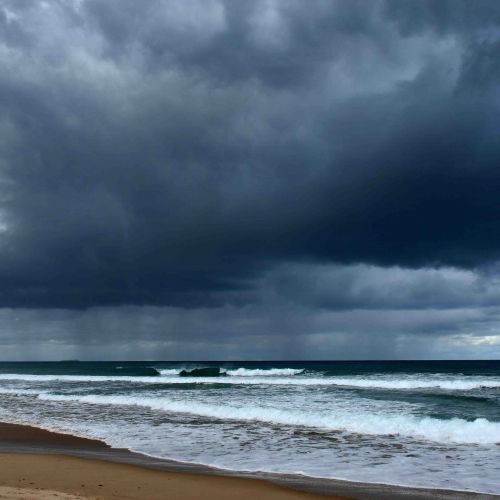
x,y
422,424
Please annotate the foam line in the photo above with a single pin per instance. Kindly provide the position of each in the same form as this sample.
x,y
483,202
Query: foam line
x,y
456,430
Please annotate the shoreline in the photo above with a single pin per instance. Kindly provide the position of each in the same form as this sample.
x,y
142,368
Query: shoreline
x,y
34,445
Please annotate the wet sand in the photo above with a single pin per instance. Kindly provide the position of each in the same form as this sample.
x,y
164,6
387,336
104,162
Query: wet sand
x,y
57,475
38,464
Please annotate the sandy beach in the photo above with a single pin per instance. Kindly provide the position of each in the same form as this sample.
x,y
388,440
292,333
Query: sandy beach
x,y
57,475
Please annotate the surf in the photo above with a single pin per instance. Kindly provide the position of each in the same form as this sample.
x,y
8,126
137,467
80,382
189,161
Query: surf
x,y
455,430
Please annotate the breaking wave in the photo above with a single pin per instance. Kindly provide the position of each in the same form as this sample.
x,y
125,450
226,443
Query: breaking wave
x,y
238,372
272,372
417,383
278,376
456,430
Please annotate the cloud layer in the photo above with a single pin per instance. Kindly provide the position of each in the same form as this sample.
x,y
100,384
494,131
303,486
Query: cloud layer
x,y
196,155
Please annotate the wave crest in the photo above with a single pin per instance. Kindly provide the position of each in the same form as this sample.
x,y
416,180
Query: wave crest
x,y
456,430
277,376
271,372
237,372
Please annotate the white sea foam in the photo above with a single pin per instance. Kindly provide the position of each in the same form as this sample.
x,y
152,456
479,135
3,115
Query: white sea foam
x,y
168,372
280,376
20,391
241,372
456,430
451,384
272,372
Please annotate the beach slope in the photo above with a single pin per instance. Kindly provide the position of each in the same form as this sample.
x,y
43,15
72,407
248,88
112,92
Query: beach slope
x,y
44,476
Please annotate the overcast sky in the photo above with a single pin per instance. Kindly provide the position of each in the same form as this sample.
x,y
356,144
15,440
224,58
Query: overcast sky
x,y
249,179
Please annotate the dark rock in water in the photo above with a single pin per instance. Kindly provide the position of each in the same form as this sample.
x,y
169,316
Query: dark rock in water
x,y
203,372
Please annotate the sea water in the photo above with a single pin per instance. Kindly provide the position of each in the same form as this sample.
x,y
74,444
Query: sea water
x,y
430,424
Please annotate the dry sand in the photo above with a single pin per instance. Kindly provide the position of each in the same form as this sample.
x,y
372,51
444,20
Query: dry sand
x,y
29,494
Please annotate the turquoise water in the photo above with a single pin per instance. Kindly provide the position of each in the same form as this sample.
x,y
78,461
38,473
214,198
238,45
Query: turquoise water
x,y
412,423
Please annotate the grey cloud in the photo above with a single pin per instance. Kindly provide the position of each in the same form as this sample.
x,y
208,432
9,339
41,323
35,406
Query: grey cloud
x,y
168,153
334,287
292,312
250,332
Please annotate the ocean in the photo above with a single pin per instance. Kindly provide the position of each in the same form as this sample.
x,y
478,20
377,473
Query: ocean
x,y
425,424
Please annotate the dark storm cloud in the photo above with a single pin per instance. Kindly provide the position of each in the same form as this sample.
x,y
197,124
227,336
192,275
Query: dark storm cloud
x,y
175,153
